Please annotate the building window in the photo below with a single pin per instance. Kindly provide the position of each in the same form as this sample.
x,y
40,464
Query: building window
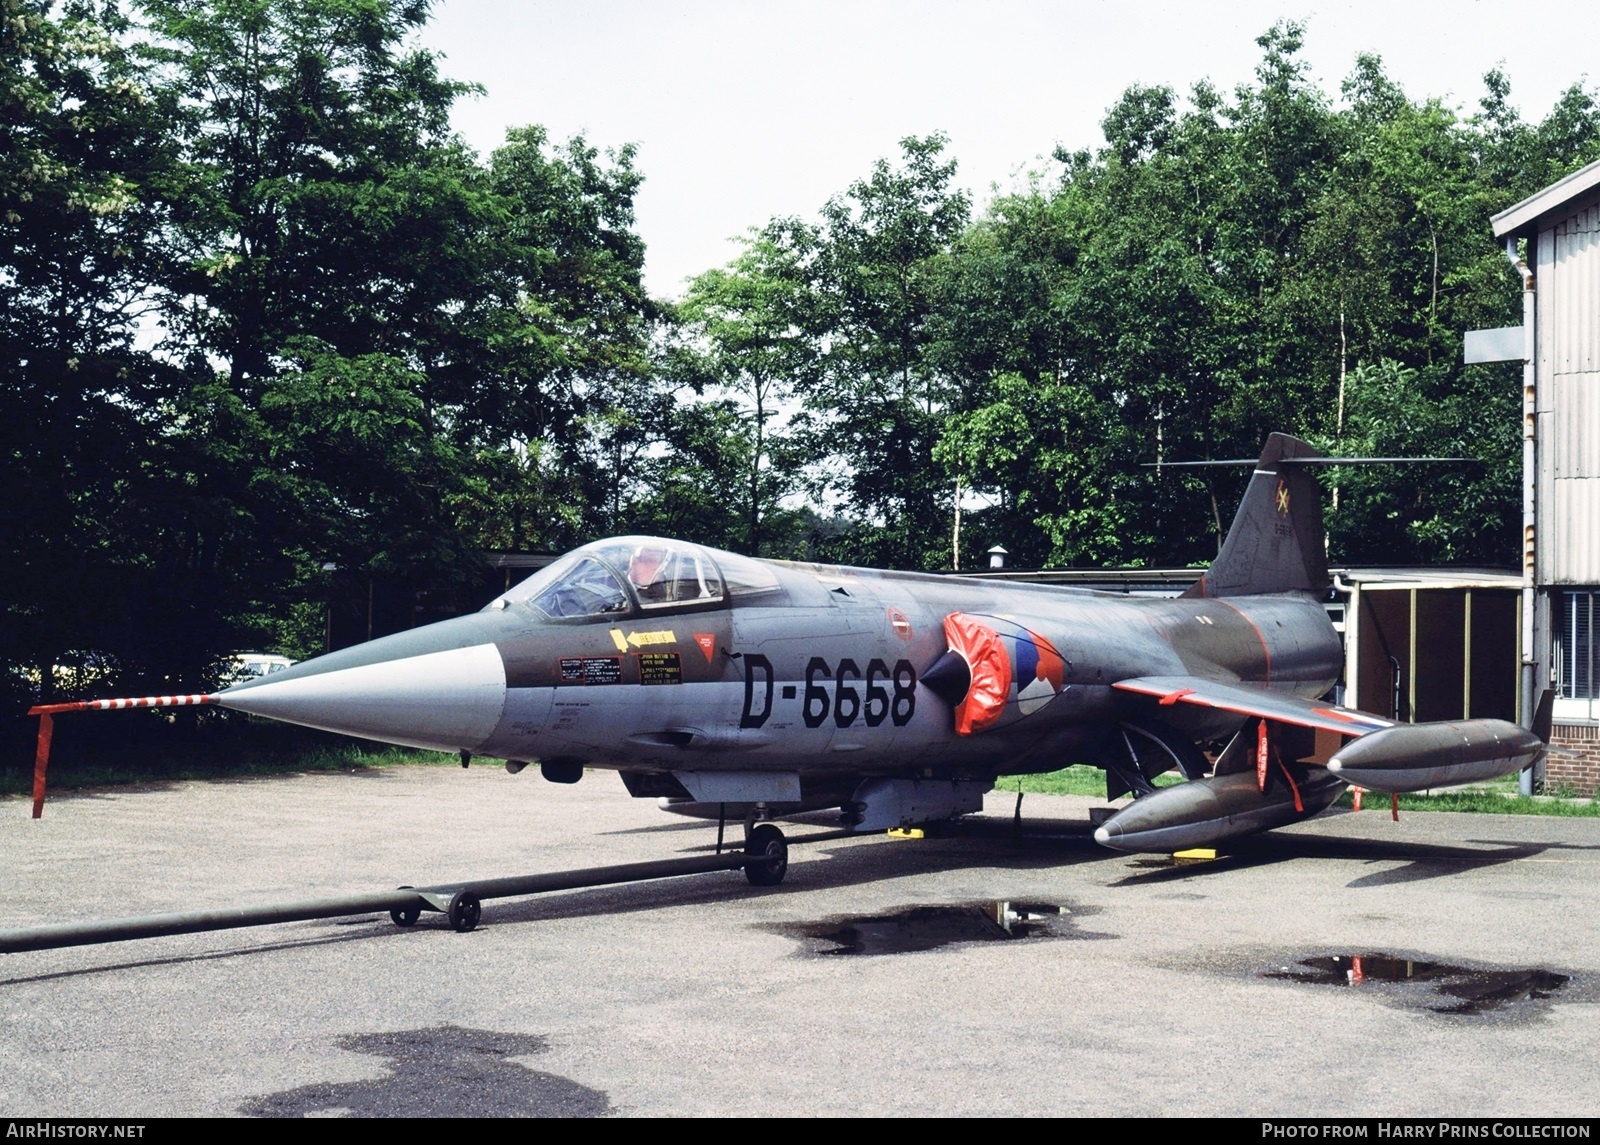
x,y
1576,651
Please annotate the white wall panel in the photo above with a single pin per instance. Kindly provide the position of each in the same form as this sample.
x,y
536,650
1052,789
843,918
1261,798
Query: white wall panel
x,y
1575,293
1569,400
1571,517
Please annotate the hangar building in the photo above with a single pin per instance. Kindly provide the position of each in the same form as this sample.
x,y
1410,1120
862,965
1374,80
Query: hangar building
x,y
1554,237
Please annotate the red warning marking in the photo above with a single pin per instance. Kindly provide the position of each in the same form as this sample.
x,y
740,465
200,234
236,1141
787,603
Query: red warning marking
x,y
900,623
1173,697
707,642
1360,719
1261,755
1293,786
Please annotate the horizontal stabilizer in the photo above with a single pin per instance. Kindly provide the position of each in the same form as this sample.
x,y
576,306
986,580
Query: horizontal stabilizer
x,y
1235,462
1413,757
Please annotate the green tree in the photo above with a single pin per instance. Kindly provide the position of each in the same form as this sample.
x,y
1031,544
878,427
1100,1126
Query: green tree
x,y
335,238
321,192
745,339
877,400
1226,266
555,376
84,451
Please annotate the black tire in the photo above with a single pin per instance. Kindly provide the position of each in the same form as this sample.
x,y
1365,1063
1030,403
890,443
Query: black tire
x,y
405,915
767,856
465,911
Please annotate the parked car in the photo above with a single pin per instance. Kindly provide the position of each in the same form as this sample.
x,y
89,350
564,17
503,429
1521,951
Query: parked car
x,y
242,666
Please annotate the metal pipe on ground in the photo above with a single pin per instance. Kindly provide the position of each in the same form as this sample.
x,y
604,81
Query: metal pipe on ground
x,y
404,904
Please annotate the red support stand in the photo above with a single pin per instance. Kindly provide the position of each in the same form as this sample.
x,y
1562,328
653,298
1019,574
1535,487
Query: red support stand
x,y
41,761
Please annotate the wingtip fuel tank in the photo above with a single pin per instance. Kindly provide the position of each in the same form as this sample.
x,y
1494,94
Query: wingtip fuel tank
x,y
1413,757
1205,811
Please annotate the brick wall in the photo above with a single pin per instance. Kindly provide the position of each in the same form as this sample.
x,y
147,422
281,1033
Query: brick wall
x,y
1574,759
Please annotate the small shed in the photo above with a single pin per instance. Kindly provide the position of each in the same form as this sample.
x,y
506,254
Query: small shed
x,y
1430,643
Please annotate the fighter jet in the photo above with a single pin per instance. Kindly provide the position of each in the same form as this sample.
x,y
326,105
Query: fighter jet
x,y
723,685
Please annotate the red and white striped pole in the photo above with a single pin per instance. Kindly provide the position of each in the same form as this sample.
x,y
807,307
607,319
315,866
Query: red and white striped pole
x,y
47,712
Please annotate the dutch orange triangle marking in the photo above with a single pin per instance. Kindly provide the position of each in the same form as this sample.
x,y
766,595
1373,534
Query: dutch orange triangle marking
x,y
707,642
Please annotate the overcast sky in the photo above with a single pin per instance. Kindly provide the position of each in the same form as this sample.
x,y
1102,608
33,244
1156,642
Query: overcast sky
x,y
747,110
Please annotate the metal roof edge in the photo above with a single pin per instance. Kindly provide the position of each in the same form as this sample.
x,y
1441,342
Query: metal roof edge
x,y
1440,577
1410,576
1519,217
1085,573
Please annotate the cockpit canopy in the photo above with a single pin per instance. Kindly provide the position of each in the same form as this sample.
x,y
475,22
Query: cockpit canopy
x,y
617,576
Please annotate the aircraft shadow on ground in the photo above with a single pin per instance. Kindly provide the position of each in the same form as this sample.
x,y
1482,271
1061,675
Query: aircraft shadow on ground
x,y
671,826
187,959
1423,860
1543,846
856,860
860,860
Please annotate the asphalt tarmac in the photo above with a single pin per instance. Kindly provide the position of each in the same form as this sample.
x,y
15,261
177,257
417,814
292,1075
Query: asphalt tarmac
x,y
873,981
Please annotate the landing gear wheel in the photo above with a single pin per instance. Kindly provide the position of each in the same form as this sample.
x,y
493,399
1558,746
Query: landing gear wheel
x,y
405,915
464,912
767,856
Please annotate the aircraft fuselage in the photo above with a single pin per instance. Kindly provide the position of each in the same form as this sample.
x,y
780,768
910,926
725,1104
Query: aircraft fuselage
x,y
816,671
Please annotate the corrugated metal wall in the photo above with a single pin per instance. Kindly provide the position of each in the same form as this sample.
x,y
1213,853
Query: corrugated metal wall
x,y
1569,400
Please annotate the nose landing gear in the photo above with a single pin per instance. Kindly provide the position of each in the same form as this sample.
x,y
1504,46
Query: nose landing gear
x,y
766,855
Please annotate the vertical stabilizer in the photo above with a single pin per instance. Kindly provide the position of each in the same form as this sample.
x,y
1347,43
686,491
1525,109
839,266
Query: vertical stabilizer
x,y
1276,542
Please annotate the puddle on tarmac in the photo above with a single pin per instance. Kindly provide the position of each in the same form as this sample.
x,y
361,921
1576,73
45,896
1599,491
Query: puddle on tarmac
x,y
443,1072
1437,986
916,928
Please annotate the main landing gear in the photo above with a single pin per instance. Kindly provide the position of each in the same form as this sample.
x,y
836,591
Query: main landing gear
x,y
766,851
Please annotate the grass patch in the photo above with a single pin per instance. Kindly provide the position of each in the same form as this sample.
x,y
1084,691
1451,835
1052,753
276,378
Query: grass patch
x,y
1482,801
1498,797
220,749
1080,779
155,750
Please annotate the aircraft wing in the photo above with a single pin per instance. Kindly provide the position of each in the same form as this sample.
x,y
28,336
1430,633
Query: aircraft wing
x,y
1382,754
1256,701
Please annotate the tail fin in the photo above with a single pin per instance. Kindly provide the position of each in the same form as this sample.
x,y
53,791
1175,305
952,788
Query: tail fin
x,y
1276,542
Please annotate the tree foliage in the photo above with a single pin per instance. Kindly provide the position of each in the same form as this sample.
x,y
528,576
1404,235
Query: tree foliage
x,y
745,337
268,330
267,320
1227,266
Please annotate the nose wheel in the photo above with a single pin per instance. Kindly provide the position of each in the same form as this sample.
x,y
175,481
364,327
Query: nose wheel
x,y
766,855
406,915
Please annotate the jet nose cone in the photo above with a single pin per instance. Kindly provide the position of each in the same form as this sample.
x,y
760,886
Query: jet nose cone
x,y
419,689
